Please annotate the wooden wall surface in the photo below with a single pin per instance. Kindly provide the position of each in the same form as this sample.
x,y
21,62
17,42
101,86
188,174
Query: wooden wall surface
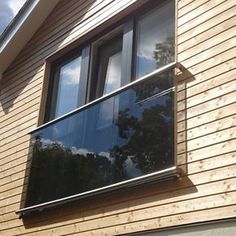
x,y
206,126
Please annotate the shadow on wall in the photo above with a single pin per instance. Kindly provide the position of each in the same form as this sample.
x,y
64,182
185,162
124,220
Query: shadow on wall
x,y
21,84
183,77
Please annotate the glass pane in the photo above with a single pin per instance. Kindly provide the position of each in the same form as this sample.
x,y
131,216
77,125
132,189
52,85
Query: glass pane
x,y
155,39
68,87
112,82
113,75
74,155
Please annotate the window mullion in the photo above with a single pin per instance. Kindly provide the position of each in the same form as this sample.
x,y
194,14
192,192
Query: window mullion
x,y
127,52
84,75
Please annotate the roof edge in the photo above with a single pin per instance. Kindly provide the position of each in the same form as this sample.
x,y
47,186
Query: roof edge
x,y
22,28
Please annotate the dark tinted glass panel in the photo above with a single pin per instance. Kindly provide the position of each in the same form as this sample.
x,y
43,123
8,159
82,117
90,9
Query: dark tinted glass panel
x,y
155,39
76,154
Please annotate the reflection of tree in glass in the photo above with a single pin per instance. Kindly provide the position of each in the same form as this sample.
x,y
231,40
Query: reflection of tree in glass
x,y
149,135
56,172
164,52
154,86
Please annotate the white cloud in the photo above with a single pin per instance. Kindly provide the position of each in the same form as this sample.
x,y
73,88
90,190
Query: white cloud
x,y
15,5
8,9
70,73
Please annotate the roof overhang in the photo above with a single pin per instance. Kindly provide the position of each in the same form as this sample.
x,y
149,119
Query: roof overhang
x,y
22,28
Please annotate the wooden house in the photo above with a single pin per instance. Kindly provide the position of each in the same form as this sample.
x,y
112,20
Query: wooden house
x,y
118,117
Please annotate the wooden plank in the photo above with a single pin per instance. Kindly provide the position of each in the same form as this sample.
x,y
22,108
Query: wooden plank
x,y
207,64
9,166
22,111
10,158
219,80
14,105
208,128
211,116
17,184
16,123
206,15
189,7
23,146
207,36
197,11
20,130
217,41
184,3
207,140
213,21
208,106
18,95
207,54
212,163
18,83
217,69
208,94
162,222
207,152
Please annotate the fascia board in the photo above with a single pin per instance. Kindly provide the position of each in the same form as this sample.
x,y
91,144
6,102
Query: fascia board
x,y
23,30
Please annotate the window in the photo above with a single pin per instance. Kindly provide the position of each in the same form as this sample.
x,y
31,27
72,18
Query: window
x,y
155,40
67,88
123,134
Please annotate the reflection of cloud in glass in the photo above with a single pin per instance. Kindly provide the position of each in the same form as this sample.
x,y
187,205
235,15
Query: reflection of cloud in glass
x,y
70,73
8,9
48,142
130,168
68,88
113,76
105,154
80,151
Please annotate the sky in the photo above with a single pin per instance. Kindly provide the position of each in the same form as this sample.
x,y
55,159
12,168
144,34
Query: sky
x,y
8,9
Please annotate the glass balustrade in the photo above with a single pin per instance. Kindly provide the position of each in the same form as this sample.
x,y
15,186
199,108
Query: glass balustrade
x,y
118,138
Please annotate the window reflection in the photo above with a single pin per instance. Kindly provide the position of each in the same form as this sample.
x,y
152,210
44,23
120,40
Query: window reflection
x,y
155,40
113,75
68,87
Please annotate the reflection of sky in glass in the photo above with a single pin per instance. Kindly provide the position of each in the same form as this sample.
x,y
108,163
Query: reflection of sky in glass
x,y
113,75
112,82
68,87
153,28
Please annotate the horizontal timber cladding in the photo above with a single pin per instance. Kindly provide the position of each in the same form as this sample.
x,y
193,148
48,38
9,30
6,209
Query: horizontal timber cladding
x,y
205,124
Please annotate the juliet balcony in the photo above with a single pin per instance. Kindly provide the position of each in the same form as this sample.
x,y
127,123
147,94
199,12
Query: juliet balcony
x,y
123,139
